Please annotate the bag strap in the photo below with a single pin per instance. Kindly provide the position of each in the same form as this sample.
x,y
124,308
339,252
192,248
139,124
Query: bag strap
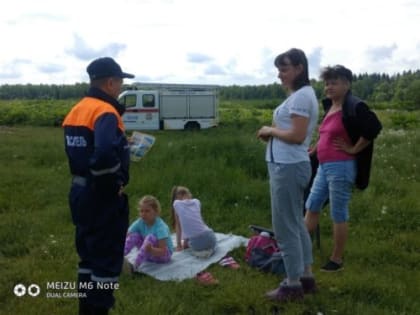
x,y
271,150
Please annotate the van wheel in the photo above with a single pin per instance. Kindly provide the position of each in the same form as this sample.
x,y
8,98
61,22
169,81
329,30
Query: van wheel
x,y
192,125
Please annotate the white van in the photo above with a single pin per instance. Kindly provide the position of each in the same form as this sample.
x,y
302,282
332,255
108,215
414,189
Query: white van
x,y
153,106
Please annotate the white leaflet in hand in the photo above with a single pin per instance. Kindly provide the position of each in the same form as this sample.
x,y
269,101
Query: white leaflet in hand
x,y
140,145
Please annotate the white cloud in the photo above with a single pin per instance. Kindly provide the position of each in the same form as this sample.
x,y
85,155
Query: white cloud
x,y
83,51
218,42
198,58
51,68
315,62
214,70
381,52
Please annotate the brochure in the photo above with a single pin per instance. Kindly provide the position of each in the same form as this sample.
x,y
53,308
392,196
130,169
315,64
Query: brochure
x,y
140,145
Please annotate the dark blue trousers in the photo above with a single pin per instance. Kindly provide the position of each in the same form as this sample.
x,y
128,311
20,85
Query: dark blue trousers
x,y
101,225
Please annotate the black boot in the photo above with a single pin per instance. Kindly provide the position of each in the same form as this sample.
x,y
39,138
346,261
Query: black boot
x,y
99,311
87,309
84,308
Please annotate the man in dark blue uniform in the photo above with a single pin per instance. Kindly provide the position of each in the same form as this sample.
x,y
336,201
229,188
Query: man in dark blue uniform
x,y
98,154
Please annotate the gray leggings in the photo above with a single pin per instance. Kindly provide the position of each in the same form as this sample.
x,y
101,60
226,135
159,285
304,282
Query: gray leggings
x,y
287,185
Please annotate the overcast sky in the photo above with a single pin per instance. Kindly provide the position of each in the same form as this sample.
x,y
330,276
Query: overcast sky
x,y
203,41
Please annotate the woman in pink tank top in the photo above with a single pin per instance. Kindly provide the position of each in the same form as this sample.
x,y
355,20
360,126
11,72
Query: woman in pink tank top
x,y
346,133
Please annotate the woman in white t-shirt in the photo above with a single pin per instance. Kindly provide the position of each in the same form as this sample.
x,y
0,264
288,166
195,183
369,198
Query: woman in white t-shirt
x,y
289,170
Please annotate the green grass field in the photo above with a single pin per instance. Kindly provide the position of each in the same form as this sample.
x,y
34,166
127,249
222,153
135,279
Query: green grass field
x,y
224,167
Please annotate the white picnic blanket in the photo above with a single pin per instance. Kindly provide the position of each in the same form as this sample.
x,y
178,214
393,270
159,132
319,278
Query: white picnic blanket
x,y
183,264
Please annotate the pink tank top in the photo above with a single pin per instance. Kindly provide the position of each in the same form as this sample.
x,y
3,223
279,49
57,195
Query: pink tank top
x,y
332,127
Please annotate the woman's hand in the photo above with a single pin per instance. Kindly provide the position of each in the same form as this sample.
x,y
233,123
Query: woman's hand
x,y
312,150
130,140
341,145
265,133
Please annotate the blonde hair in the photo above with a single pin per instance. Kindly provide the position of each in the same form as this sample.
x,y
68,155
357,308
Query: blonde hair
x,y
178,192
152,202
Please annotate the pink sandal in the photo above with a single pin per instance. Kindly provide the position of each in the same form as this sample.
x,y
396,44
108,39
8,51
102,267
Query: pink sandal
x,y
229,262
206,278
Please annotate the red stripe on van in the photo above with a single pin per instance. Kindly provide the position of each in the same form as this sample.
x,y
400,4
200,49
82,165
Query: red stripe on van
x,y
143,110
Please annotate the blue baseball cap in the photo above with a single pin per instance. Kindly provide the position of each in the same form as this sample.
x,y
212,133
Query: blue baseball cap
x,y
106,67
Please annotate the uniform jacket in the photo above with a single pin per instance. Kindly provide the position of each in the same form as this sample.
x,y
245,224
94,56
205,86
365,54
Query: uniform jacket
x,y
359,121
95,142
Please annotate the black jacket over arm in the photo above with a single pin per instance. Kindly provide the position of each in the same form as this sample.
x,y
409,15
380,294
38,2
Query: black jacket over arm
x,y
359,121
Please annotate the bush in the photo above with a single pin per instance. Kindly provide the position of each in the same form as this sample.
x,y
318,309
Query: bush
x,y
34,112
404,120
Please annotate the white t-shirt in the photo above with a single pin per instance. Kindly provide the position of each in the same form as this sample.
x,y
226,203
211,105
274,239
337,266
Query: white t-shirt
x,y
302,102
190,219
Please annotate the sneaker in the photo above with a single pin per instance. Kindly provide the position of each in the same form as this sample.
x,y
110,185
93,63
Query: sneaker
x,y
308,285
229,262
286,293
332,266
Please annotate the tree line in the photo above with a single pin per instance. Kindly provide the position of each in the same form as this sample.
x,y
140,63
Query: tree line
x,y
401,90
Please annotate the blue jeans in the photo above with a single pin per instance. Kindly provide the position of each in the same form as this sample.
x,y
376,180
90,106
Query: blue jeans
x,y
204,241
333,181
287,185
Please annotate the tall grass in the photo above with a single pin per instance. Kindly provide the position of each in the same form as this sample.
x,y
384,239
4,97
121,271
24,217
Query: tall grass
x,y
224,167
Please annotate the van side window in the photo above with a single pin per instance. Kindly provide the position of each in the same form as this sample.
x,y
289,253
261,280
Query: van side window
x,y
129,101
148,100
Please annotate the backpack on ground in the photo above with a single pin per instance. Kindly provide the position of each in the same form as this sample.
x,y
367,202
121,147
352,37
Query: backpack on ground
x,y
263,254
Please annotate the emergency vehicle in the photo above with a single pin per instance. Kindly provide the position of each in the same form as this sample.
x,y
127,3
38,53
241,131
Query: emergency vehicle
x,y
154,106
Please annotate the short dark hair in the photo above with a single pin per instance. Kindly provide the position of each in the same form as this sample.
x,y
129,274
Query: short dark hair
x,y
336,72
296,57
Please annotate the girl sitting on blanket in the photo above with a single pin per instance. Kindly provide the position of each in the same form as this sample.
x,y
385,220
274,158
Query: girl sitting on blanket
x,y
150,234
192,232
190,229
